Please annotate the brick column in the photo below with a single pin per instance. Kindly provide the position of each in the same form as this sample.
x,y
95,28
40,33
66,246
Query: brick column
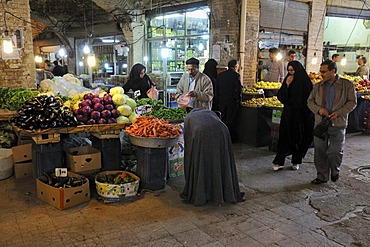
x,y
315,34
18,72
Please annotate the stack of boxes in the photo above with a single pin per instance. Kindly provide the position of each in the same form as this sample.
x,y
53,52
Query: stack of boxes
x,y
22,158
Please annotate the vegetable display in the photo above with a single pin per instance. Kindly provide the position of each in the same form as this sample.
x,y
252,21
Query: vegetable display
x,y
117,178
168,113
96,110
149,101
7,136
62,182
150,126
13,98
43,112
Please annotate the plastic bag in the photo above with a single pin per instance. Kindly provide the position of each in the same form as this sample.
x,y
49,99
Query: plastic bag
x,y
152,93
184,100
322,128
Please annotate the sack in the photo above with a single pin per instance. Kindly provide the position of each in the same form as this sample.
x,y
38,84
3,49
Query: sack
x,y
152,93
322,128
183,101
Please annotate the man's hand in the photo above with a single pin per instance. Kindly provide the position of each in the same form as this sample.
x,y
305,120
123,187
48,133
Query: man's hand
x,y
192,94
333,115
324,112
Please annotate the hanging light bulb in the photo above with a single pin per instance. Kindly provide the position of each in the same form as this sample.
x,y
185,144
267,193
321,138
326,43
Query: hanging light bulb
x,y
279,56
344,60
86,49
81,63
62,52
314,59
38,59
7,43
201,47
91,60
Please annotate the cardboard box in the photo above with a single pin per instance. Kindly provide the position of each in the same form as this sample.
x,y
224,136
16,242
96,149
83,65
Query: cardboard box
x,y
22,153
23,170
82,159
63,198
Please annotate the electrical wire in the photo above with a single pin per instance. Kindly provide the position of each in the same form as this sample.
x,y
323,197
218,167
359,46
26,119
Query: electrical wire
x,y
353,29
322,20
282,21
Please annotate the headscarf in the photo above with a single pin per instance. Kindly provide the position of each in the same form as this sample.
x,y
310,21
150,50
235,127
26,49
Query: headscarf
x,y
299,72
210,68
135,72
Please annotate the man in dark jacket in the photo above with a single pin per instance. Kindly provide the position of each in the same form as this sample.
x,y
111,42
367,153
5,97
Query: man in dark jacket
x,y
58,70
228,91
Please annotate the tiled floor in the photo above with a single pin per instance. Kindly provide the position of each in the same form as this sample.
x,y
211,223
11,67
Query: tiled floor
x,y
281,209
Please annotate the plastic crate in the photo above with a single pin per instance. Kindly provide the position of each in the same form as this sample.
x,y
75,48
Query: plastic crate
x,y
46,157
151,167
110,152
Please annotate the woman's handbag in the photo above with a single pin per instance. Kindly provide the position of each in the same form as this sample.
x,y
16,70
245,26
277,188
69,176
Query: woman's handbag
x,y
322,128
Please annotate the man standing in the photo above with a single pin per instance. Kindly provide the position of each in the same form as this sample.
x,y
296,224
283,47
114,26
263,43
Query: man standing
x,y
274,67
228,91
335,58
334,97
196,85
362,70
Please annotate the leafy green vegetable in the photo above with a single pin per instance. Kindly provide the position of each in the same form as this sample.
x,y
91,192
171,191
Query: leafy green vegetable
x,y
13,98
168,113
149,101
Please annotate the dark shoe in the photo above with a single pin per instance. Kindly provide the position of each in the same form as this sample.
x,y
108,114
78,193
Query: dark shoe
x,y
335,178
318,181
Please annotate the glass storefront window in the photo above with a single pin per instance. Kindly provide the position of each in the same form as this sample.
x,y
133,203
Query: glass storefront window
x,y
175,37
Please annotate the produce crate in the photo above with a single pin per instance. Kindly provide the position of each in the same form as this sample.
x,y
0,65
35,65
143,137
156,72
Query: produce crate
x,y
62,198
110,152
107,134
81,159
117,192
46,138
6,163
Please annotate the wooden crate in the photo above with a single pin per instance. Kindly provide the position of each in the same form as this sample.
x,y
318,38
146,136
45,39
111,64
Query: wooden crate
x,y
107,134
46,138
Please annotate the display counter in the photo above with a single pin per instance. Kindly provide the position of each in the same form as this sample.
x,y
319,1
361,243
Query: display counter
x,y
254,126
356,117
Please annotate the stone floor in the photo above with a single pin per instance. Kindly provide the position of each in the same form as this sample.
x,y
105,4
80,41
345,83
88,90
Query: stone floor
x,y
281,209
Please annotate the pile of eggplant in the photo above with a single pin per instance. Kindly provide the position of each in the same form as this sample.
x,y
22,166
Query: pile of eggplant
x,y
43,112
62,182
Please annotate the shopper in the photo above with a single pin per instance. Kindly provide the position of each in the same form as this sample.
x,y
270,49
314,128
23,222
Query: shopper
x,y
196,85
335,58
209,164
138,81
274,67
58,70
210,69
229,91
334,97
297,121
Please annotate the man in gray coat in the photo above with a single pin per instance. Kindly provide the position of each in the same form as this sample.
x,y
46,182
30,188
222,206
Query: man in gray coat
x,y
197,85
334,97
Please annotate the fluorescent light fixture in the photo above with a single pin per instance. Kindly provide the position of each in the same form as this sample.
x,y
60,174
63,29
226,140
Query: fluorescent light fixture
x,y
205,36
343,62
62,52
91,60
86,49
80,63
109,40
7,43
279,56
38,59
314,59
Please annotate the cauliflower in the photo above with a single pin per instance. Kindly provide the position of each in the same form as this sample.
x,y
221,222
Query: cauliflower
x,y
118,99
125,110
47,85
116,90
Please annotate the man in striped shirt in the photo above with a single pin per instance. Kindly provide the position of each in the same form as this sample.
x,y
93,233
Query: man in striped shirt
x,y
274,67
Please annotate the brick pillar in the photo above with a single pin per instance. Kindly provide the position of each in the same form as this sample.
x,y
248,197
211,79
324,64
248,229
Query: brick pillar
x,y
18,72
251,43
225,22
315,34
134,32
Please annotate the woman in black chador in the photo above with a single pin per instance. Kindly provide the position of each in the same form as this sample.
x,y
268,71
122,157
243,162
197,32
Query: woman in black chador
x,y
210,69
138,80
210,172
296,125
